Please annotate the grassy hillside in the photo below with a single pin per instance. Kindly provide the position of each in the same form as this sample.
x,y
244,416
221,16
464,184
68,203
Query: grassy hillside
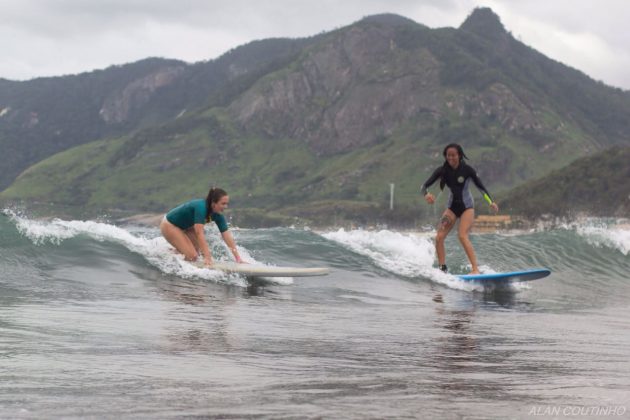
x,y
159,168
154,170
595,185
44,116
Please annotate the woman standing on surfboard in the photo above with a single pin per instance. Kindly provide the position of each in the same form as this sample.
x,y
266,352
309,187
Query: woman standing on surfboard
x,y
456,175
183,226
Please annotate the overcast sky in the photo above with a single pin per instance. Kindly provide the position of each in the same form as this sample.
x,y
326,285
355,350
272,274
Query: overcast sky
x,y
57,37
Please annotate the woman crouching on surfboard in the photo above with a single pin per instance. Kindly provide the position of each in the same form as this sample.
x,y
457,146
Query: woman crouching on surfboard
x,y
183,226
456,174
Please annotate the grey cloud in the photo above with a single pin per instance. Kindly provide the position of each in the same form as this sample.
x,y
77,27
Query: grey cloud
x,y
127,30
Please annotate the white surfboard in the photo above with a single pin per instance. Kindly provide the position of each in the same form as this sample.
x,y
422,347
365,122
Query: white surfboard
x,y
258,270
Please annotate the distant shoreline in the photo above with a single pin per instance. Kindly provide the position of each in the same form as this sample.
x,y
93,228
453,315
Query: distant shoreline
x,y
483,225
146,219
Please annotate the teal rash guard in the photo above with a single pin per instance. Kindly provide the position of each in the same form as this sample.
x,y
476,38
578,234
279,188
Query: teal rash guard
x,y
194,212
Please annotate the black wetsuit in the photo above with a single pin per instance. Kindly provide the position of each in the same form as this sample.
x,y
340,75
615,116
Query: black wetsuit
x,y
458,182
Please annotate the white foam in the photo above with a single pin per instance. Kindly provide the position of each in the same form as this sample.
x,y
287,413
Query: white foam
x,y
609,236
407,255
155,249
601,232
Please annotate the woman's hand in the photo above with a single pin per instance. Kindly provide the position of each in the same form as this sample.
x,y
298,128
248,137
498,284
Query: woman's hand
x,y
494,207
429,198
207,261
229,241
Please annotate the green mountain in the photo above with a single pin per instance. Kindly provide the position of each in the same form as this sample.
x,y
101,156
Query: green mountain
x,y
44,116
596,185
320,127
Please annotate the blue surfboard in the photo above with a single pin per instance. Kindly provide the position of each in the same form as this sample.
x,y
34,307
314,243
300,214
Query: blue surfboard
x,y
510,277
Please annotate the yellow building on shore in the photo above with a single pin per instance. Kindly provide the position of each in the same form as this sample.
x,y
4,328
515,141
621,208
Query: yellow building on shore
x,y
492,223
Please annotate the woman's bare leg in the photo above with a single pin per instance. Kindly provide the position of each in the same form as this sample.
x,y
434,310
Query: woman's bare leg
x,y
190,232
465,224
446,224
176,237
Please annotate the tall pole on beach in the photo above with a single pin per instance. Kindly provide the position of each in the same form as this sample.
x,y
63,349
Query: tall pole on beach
x,y
391,196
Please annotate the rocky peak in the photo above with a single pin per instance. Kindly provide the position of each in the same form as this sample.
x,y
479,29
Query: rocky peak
x,y
118,106
350,91
484,22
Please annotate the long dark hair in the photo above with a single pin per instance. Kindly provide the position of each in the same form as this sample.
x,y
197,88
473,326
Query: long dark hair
x,y
461,154
214,195
459,149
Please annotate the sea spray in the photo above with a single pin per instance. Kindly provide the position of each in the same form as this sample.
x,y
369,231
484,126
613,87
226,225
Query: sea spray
x,y
613,237
404,254
154,249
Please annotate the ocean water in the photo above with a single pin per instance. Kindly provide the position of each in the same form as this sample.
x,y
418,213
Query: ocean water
x,y
101,320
